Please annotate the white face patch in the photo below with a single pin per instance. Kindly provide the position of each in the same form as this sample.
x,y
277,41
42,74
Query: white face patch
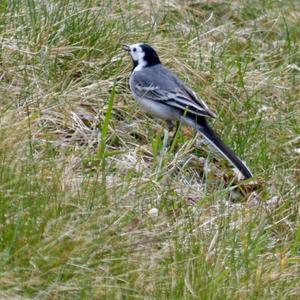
x,y
136,52
138,55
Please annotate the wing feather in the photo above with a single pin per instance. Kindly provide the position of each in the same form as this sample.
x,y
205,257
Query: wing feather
x,y
173,92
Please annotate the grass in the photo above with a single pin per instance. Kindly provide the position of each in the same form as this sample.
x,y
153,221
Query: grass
x,y
81,166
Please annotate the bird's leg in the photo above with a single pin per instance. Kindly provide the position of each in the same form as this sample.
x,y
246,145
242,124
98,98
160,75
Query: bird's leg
x,y
165,139
170,125
167,143
175,132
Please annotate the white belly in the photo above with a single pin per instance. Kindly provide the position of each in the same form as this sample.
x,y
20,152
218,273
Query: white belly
x,y
157,109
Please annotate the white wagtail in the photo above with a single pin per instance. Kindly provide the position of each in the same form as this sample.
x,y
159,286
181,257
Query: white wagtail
x,y
162,94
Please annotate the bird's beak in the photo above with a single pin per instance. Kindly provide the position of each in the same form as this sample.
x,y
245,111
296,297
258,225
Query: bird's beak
x,y
126,47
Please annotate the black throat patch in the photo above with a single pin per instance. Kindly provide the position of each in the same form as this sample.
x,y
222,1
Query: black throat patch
x,y
135,63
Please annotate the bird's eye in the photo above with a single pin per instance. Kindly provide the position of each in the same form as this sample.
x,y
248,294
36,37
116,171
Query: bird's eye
x,y
134,49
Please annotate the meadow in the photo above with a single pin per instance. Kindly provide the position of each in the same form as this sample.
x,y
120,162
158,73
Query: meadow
x,y
93,206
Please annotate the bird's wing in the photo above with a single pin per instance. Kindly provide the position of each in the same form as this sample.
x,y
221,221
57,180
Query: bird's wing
x,y
193,97
165,87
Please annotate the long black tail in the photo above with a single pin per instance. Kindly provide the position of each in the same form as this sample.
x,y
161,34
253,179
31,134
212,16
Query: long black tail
x,y
217,143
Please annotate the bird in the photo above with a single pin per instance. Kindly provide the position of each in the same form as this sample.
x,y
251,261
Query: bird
x,y
164,96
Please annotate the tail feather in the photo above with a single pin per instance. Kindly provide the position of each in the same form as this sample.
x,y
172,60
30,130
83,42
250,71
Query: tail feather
x,y
218,144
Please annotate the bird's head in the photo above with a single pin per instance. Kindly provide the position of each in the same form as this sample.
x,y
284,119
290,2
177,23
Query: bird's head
x,y
142,55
